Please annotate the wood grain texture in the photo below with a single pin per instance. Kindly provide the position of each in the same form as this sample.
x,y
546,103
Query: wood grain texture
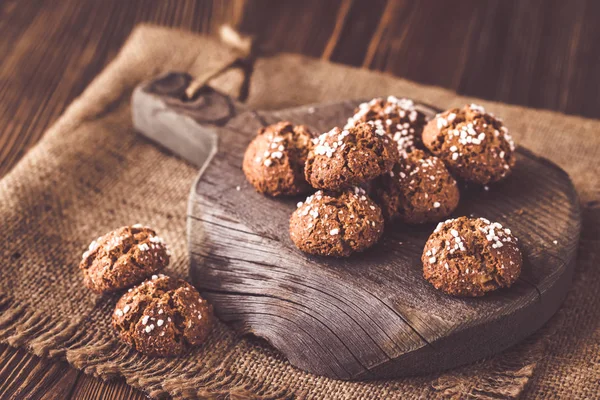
x,y
372,315
540,54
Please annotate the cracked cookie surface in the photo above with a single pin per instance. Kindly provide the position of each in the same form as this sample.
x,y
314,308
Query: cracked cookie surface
x,y
474,144
345,158
399,118
471,256
162,316
336,224
122,258
418,189
274,160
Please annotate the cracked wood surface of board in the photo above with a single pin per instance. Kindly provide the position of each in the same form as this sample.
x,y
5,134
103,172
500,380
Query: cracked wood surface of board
x,y
371,315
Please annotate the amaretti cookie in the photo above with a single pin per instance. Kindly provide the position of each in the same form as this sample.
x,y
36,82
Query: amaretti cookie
x,y
162,316
336,224
122,258
349,157
274,160
398,118
474,144
471,256
418,189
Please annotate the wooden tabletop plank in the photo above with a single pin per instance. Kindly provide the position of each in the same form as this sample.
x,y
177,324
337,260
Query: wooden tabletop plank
x,y
88,388
25,375
541,54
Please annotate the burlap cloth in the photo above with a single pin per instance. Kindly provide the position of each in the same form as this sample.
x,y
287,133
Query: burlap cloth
x,y
91,173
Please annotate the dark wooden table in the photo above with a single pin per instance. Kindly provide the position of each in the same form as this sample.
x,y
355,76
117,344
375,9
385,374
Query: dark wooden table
x,y
539,53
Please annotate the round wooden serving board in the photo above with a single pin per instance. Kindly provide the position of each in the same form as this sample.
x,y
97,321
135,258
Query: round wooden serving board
x,y
371,315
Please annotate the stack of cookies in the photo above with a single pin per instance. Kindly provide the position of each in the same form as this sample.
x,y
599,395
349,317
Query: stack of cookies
x,y
389,165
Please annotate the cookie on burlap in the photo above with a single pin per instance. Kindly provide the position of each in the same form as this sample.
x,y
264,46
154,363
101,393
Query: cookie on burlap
x,y
474,144
336,224
350,157
274,160
471,256
397,117
162,316
122,258
418,189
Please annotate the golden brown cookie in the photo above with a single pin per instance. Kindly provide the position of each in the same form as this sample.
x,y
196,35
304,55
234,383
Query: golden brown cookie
x,y
418,189
122,258
473,144
471,256
162,316
336,224
397,117
346,158
274,160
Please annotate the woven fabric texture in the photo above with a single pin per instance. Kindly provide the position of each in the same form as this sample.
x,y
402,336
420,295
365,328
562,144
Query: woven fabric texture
x,y
91,173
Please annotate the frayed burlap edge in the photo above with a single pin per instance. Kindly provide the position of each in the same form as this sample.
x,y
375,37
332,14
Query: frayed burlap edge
x,y
51,337
96,355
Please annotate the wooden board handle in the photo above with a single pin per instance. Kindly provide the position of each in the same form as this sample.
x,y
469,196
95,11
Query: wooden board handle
x,y
162,112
